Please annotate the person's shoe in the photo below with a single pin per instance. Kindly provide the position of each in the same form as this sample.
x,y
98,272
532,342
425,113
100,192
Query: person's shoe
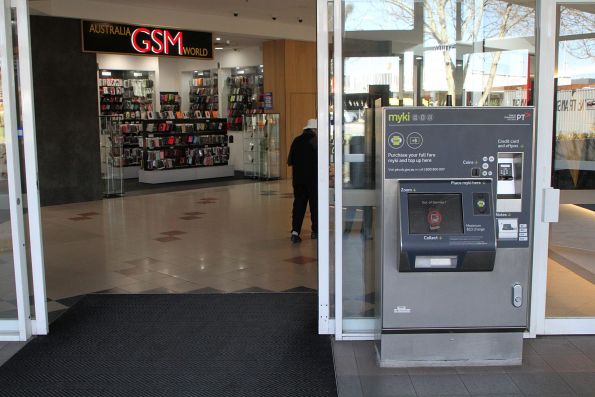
x,y
314,236
295,238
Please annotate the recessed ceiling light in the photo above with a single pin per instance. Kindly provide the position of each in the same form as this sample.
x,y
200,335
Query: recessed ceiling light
x,y
218,38
218,48
419,58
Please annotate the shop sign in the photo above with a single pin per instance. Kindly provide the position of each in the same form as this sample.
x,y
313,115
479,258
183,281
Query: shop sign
x,y
145,40
268,101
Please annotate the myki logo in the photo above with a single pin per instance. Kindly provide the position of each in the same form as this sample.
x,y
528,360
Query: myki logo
x,y
399,118
157,41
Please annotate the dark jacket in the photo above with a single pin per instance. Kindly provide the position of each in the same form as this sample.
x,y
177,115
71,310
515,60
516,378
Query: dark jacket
x,y
303,157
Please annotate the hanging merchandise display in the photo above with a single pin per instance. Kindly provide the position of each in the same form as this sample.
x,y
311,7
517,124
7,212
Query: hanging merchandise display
x,y
125,93
245,87
173,143
170,101
204,92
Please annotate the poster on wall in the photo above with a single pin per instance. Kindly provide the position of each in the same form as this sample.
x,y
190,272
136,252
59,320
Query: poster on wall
x,y
145,40
268,100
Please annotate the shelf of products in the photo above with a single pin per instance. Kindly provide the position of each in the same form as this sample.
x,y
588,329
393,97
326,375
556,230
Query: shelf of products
x,y
184,143
261,146
170,101
204,92
132,152
125,93
245,87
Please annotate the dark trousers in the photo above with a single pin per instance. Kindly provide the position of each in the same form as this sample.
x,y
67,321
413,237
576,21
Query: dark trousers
x,y
302,195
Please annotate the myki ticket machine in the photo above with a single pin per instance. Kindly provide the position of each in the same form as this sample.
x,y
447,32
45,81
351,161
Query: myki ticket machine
x,y
454,253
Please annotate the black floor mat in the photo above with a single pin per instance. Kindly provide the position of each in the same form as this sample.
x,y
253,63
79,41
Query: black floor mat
x,y
178,345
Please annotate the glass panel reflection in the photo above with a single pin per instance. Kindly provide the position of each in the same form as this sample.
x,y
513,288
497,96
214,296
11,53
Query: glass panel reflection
x,y
498,78
8,306
371,15
417,53
574,152
571,270
331,164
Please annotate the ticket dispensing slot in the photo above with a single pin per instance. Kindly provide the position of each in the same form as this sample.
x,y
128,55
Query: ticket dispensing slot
x,y
446,226
510,182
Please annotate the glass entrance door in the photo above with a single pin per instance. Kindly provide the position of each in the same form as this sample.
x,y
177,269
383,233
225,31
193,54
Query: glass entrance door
x,y
570,301
462,53
21,248
14,302
409,53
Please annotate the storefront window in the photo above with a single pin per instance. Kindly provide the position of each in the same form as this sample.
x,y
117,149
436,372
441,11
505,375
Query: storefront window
x,y
417,53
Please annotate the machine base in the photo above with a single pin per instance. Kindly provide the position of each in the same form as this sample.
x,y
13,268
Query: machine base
x,y
450,349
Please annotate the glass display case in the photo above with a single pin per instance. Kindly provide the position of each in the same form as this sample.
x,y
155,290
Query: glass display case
x,y
261,146
112,150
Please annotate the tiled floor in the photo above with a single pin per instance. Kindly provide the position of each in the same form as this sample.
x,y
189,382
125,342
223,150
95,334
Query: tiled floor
x,y
571,269
9,349
552,366
234,238
232,235
218,239
227,238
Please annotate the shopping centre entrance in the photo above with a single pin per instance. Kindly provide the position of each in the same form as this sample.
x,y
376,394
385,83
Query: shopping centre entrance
x,y
166,171
192,154
501,59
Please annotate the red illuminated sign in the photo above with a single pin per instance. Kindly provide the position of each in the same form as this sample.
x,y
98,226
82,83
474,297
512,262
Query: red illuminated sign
x,y
141,40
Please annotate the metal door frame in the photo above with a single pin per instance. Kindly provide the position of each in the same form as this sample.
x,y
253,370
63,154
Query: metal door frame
x,y
24,326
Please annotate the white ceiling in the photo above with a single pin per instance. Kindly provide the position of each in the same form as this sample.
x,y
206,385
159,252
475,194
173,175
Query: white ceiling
x,y
286,11
233,41
254,25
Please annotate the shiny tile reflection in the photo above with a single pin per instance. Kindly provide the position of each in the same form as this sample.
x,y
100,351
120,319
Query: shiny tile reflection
x,y
170,243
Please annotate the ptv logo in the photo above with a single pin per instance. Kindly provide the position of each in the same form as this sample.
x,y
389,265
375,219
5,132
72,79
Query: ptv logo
x,y
523,116
518,116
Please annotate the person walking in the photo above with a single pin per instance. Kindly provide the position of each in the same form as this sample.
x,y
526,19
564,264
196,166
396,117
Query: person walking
x,y
303,158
